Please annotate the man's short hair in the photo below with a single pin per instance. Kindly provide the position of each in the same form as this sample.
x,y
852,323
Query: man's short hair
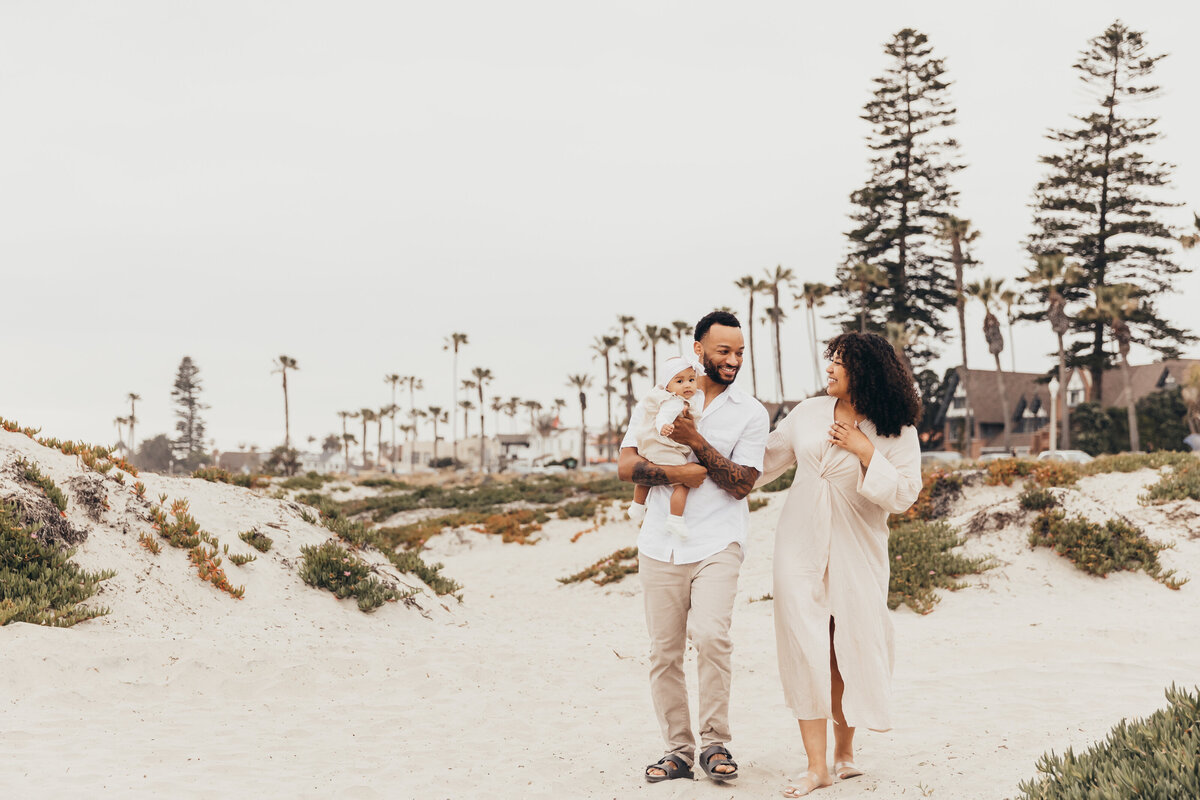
x,y
715,318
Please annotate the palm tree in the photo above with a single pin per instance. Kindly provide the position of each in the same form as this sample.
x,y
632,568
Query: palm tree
x,y
349,439
510,410
393,379
775,281
602,347
1049,271
413,383
630,368
120,422
625,323
813,295
469,387
367,415
651,335
1010,299
901,337
861,279
532,406
345,415
132,419
752,286
1116,302
283,365
436,414
1191,395
958,232
581,383
682,329
453,342
467,407
481,377
380,415
497,405
987,291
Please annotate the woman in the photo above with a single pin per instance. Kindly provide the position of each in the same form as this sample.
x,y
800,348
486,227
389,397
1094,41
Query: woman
x,y
857,460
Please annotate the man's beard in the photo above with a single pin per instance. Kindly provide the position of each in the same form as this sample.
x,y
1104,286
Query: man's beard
x,y
713,373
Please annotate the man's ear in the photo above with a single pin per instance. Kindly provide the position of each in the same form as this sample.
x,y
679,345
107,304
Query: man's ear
x,y
698,349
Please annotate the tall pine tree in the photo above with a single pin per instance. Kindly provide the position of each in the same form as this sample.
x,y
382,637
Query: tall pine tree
x,y
899,212
1097,205
188,447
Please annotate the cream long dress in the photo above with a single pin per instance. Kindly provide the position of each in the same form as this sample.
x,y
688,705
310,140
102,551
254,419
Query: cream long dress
x,y
831,560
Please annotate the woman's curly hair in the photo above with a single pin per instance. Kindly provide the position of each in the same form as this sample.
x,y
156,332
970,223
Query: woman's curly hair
x,y
881,387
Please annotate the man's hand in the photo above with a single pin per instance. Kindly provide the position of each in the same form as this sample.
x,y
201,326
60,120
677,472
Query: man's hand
x,y
691,475
685,430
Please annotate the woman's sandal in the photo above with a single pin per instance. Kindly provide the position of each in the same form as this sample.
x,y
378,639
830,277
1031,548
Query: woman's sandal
x,y
709,764
674,766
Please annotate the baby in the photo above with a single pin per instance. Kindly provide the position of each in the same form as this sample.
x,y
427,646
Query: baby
x,y
662,406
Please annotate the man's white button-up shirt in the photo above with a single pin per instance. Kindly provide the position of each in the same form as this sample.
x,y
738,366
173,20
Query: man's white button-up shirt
x,y
736,425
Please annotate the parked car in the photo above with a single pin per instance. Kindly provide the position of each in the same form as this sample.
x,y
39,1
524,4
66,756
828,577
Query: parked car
x,y
986,457
932,458
1070,456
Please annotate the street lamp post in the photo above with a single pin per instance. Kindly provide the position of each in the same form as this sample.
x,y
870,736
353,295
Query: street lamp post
x,y
1053,413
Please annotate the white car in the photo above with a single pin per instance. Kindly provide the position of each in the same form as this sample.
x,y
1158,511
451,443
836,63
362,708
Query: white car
x,y
944,457
1070,456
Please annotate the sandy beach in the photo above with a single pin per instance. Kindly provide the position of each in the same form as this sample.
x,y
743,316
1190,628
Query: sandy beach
x,y
530,688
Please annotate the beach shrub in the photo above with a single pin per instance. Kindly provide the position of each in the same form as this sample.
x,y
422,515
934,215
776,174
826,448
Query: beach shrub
x,y
331,567
414,535
39,583
578,509
218,475
359,535
1132,462
939,489
1181,483
1156,758
242,559
514,526
30,472
784,481
309,481
1100,549
259,541
208,567
150,543
430,574
922,561
1036,498
382,483
1006,470
756,503
609,569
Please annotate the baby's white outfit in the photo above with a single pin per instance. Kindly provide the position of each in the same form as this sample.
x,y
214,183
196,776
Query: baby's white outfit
x,y
662,408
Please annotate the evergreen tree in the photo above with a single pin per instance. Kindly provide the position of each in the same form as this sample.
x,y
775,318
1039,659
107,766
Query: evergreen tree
x,y
899,212
1097,204
189,445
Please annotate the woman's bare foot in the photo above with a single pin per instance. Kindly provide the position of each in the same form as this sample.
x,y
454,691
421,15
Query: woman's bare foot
x,y
808,783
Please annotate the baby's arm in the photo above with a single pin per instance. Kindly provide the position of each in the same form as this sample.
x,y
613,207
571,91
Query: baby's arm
x,y
667,413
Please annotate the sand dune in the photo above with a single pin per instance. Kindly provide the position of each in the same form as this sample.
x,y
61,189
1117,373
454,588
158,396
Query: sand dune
x,y
534,689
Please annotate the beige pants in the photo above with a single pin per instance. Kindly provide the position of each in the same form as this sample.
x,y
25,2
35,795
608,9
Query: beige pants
x,y
695,599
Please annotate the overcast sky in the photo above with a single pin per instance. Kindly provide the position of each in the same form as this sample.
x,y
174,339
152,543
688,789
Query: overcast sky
x,y
349,182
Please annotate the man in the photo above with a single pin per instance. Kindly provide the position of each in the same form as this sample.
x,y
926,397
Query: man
x,y
690,584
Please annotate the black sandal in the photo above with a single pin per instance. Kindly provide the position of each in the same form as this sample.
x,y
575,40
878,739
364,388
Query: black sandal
x,y
710,768
674,766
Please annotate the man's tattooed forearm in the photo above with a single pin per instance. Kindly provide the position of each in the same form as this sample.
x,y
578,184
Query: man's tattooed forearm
x,y
647,474
737,479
